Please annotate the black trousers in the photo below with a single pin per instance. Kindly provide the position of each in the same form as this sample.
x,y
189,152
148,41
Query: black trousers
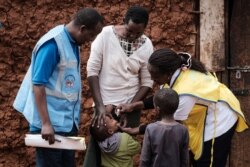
x,y
222,145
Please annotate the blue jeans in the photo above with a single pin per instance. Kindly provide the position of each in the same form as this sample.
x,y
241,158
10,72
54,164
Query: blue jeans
x,y
48,157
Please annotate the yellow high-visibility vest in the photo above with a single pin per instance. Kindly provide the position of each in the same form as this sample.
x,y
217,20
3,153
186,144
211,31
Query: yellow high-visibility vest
x,y
205,87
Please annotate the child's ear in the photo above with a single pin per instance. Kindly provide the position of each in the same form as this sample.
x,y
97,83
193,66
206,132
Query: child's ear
x,y
82,28
110,131
157,108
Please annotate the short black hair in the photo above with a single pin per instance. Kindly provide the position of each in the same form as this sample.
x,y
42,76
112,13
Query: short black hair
x,y
99,133
137,14
88,17
167,100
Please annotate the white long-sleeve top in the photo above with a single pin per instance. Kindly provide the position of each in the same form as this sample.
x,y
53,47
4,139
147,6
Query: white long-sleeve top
x,y
225,116
120,76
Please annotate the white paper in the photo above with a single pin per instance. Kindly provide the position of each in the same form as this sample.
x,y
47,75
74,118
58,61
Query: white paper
x,y
70,143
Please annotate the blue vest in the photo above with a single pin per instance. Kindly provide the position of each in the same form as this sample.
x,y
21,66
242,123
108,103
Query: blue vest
x,y
63,90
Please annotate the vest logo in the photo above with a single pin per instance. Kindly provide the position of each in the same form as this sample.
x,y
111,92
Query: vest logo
x,y
69,81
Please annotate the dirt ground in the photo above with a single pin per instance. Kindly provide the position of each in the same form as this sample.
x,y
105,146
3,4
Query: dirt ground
x,y
22,23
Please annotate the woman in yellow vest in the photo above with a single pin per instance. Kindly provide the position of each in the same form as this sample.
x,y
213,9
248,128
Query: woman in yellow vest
x,y
208,108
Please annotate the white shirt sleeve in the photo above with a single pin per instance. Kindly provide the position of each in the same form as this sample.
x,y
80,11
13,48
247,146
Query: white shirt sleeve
x,y
145,75
186,104
94,63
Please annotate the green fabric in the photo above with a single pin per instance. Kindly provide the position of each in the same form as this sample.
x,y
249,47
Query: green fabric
x,y
124,155
93,155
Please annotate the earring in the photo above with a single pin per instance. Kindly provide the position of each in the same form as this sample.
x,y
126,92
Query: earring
x,y
184,68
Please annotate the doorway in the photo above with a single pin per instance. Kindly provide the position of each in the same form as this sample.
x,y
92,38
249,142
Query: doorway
x,y
238,12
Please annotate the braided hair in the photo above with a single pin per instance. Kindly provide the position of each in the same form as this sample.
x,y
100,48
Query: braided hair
x,y
166,60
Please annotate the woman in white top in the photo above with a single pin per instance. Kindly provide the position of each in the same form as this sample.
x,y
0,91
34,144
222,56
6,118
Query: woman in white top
x,y
207,107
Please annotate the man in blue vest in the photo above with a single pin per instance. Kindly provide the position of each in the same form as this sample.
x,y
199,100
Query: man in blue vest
x,y
50,94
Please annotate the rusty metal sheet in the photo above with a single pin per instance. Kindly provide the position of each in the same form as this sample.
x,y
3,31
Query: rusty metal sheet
x,y
212,34
240,78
